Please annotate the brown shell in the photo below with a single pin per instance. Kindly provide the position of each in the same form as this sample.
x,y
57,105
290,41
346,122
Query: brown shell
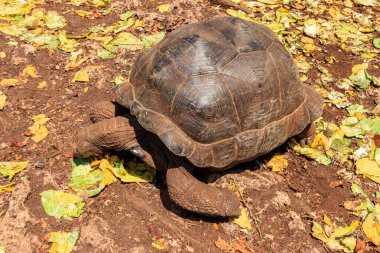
x,y
219,92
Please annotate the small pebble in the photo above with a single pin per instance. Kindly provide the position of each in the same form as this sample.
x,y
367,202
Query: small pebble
x,y
39,165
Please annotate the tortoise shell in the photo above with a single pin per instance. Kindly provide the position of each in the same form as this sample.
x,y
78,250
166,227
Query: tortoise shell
x,y
220,92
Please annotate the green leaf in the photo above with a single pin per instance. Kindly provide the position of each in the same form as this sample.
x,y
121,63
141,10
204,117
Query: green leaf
x,y
126,15
128,40
63,242
376,43
9,169
54,20
355,109
105,54
119,80
60,204
85,178
150,40
361,79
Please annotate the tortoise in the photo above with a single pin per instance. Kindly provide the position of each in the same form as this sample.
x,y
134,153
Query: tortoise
x,y
210,95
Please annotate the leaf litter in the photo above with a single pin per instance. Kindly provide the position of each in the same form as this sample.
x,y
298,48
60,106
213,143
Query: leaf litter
x,y
303,31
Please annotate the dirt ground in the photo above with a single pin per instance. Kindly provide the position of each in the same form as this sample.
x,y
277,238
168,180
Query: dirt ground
x,y
126,217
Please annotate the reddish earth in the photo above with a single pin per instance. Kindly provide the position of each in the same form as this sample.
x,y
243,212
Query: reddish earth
x,y
126,217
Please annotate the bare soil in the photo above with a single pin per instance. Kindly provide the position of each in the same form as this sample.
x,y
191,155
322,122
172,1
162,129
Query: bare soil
x,y
126,217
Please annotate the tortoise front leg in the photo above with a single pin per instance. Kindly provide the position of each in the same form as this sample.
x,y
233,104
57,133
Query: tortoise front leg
x,y
198,197
116,133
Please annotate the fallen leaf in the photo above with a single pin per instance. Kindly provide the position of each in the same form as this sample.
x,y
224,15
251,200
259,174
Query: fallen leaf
x,y
360,246
369,169
31,71
54,20
3,98
239,14
243,220
319,233
6,188
164,8
60,204
80,76
336,183
376,43
151,40
278,163
9,82
160,244
119,80
9,169
93,177
42,85
371,229
311,27
38,129
360,77
63,242
126,15
235,246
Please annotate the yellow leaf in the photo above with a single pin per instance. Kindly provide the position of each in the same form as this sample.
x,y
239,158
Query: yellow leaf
x,y
243,220
3,98
41,133
327,220
370,229
31,71
138,23
40,119
278,163
85,14
63,242
42,85
80,76
311,27
9,82
319,140
334,11
164,8
160,244
358,67
6,188
2,55
38,128
9,169
239,14
368,168
309,47
319,233
345,230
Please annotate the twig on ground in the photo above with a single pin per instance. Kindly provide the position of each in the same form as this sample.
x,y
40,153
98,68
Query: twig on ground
x,y
249,209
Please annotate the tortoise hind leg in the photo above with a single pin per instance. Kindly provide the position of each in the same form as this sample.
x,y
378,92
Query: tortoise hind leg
x,y
198,197
308,134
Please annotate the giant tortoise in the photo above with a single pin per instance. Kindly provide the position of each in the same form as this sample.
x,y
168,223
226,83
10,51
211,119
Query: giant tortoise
x,y
209,96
